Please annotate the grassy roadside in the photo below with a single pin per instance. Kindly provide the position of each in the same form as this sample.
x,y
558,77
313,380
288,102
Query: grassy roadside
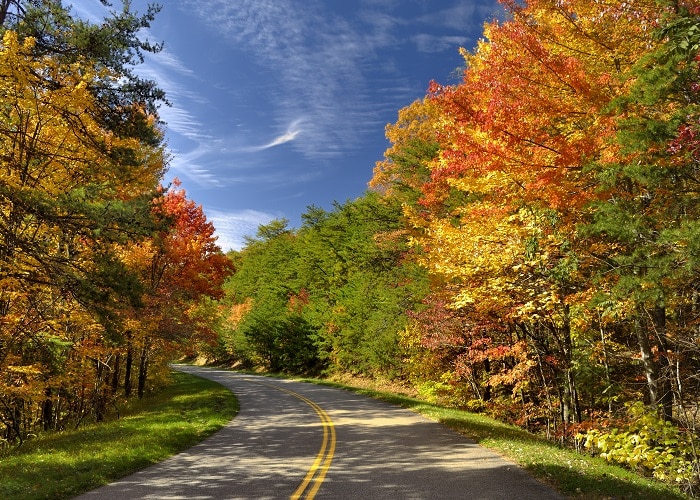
x,y
573,474
65,464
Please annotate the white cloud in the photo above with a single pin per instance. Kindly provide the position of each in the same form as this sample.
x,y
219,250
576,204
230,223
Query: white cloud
x,y
461,16
293,130
233,227
434,43
194,165
196,142
288,136
167,59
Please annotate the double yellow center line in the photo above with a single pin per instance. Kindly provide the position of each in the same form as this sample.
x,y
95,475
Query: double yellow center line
x,y
317,473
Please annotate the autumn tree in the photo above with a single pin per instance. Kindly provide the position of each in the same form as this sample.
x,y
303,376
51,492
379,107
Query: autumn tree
x,y
75,186
497,221
404,170
180,268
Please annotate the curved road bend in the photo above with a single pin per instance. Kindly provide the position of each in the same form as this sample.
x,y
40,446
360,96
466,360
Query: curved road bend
x,y
297,440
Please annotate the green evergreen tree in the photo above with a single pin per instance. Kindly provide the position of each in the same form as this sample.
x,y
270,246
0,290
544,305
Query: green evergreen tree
x,y
652,218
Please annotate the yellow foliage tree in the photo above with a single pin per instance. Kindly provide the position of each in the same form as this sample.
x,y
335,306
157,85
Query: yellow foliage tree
x,y
66,198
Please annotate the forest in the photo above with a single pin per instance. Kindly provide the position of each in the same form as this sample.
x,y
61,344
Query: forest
x,y
528,247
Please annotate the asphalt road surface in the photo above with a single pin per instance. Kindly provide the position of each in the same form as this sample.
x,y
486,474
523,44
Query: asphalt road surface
x,y
297,440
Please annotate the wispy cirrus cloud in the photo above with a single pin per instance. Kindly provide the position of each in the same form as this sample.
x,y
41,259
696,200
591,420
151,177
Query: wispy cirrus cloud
x,y
289,135
325,67
320,63
435,43
325,64
232,228
195,143
462,17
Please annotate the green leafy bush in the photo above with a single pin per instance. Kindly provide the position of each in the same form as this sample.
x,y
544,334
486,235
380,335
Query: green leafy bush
x,y
649,444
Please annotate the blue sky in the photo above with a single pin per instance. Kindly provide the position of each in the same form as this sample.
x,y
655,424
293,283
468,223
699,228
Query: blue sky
x,y
282,104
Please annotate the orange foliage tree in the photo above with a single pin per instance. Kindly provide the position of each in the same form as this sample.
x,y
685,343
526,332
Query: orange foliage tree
x,y
497,220
180,267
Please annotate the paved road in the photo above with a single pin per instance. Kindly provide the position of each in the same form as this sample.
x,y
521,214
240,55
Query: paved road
x,y
297,440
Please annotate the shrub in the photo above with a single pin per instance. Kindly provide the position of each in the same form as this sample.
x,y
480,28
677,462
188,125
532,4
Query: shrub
x,y
648,443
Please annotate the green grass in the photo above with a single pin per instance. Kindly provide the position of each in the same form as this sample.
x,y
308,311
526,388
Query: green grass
x,y
66,464
573,474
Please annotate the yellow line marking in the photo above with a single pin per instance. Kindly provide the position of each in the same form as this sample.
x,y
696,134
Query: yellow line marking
x,y
319,468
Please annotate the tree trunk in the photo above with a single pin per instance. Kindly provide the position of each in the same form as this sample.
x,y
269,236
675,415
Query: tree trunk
x,y
665,369
565,401
99,401
487,386
606,364
47,411
116,373
650,370
571,410
143,371
127,371
659,386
